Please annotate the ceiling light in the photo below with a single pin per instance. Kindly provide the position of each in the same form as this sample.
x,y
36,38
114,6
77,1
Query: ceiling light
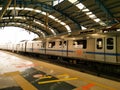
x,y
72,1
92,16
88,13
86,10
80,6
97,20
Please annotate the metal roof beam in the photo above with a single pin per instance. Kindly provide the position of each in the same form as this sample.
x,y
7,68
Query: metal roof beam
x,y
107,11
7,4
48,8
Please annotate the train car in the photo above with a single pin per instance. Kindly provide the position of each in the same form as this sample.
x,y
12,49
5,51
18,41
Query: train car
x,y
98,47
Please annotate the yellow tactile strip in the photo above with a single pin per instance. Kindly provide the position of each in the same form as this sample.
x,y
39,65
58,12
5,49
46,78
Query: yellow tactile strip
x,y
24,84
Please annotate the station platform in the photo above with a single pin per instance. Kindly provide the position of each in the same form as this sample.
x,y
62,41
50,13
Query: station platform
x,y
19,72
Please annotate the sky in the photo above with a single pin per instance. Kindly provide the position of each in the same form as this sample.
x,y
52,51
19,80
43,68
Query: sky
x,y
15,34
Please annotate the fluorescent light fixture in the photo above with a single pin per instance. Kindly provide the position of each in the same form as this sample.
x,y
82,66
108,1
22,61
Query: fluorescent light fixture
x,y
72,1
80,6
68,28
62,23
102,23
50,16
38,11
83,28
92,16
88,13
29,9
85,10
97,20
55,3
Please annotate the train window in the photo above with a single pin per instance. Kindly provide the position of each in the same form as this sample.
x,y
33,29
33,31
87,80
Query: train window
x,y
80,44
38,44
110,43
60,44
84,44
99,43
64,44
51,45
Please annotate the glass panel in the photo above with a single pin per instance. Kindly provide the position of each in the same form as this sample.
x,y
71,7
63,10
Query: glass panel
x,y
80,44
64,44
51,45
60,44
99,43
110,43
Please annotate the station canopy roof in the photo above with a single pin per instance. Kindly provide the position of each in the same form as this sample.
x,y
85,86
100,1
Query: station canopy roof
x,y
59,17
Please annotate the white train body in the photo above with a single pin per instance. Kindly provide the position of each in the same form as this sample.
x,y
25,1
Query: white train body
x,y
99,47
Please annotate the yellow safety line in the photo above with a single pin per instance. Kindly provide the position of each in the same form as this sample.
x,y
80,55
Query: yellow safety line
x,y
24,84
85,80
51,81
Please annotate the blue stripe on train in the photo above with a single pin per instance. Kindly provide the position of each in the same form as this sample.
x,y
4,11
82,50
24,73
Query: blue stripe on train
x,y
98,53
60,50
102,53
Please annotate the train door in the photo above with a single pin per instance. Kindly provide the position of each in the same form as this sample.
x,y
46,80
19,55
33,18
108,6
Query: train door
x,y
64,48
89,49
99,49
58,50
110,49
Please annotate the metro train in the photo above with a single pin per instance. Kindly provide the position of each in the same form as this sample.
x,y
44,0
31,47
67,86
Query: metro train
x,y
98,47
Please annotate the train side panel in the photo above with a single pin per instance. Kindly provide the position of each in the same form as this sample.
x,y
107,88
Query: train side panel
x,y
54,48
59,47
76,48
65,48
90,49
99,49
29,46
9,46
118,49
110,49
14,49
38,47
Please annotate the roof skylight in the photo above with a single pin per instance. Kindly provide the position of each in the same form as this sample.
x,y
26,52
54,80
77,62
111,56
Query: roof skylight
x,y
56,2
88,12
